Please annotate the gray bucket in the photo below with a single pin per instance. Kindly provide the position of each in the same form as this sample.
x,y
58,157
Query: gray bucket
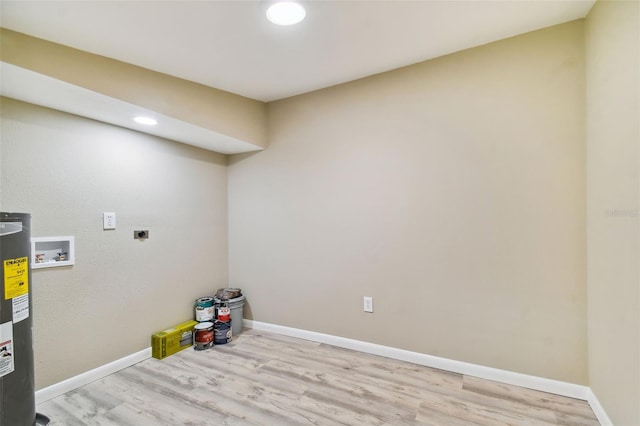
x,y
236,305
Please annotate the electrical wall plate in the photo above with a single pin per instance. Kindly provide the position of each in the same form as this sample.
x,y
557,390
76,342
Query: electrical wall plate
x,y
368,304
109,220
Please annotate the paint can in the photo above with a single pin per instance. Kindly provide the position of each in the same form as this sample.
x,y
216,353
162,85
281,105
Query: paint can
x,y
203,336
224,314
204,309
222,332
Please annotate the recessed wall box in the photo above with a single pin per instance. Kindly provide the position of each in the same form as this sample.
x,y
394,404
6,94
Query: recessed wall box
x,y
141,234
50,252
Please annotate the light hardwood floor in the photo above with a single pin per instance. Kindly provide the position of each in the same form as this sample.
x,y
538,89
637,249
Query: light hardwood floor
x,y
267,379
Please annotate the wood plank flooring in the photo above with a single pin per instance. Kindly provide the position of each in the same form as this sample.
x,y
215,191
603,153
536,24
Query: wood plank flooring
x,y
268,379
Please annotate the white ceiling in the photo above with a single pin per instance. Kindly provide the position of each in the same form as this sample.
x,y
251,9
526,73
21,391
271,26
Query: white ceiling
x,y
229,45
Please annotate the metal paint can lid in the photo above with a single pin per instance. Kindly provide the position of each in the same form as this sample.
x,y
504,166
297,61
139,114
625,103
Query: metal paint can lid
x,y
205,302
204,325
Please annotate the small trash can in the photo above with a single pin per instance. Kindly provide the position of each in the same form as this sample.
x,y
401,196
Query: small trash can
x,y
236,305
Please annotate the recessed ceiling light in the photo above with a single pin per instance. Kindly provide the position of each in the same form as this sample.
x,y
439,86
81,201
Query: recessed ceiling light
x,y
147,121
286,13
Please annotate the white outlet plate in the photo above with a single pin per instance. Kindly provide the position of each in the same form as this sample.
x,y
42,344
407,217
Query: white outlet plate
x,y
108,220
368,304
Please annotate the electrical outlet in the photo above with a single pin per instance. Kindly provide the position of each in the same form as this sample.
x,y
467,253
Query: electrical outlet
x,y
142,234
108,220
368,304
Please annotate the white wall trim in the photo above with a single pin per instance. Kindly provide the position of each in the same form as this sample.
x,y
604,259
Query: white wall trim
x,y
87,377
489,373
598,410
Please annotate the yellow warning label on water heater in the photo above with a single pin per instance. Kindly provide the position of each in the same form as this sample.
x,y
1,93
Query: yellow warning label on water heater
x,y
16,277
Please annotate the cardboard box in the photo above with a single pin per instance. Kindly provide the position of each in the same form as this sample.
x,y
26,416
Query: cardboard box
x,y
172,340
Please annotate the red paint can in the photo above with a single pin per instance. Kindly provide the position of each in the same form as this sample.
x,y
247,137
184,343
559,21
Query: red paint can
x,y
203,335
224,314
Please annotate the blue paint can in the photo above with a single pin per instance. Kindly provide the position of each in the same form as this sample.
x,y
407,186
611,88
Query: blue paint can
x,y
222,332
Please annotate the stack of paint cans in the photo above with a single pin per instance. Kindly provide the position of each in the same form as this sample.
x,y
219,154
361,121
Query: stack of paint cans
x,y
203,331
222,325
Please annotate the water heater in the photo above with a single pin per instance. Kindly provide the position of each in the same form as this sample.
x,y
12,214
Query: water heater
x,y
17,394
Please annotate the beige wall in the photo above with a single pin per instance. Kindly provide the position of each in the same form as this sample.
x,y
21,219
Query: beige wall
x,y
66,171
452,191
613,139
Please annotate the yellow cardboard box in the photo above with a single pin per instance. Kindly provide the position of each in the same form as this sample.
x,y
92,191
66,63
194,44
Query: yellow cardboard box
x,y
172,340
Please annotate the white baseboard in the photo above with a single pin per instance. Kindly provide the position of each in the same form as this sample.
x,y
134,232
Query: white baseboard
x,y
75,382
598,410
509,377
489,373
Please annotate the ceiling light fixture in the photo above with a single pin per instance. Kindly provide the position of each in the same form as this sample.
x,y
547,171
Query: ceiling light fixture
x,y
147,121
286,13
